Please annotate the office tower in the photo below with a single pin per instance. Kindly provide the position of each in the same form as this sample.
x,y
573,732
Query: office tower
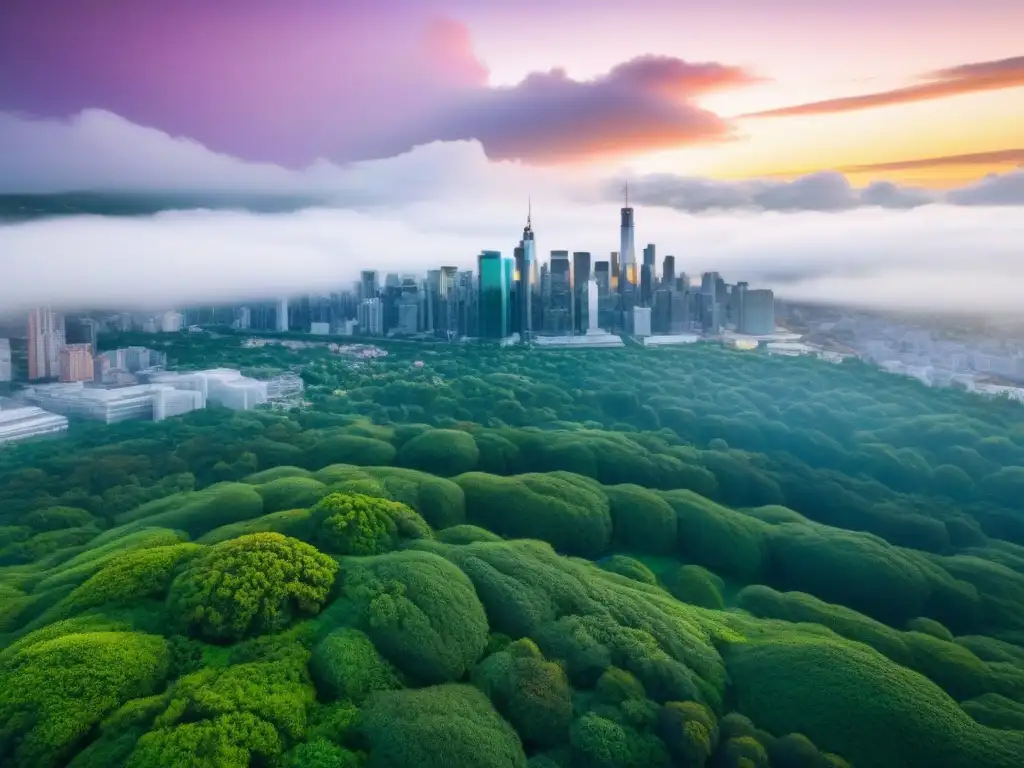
x,y
592,306
668,271
710,307
641,322
647,275
408,306
76,363
682,282
580,283
81,330
558,316
45,339
682,313
757,313
528,312
432,297
6,373
369,283
614,283
447,323
602,274
494,275
370,316
661,311
282,315
628,277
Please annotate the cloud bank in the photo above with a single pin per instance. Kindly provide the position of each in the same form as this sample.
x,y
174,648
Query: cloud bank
x,y
815,237
100,151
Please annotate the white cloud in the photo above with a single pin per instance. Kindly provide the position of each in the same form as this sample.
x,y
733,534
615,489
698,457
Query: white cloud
x,y
442,204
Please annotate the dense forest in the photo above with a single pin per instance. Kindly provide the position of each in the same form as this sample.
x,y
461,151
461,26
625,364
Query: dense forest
x,y
473,557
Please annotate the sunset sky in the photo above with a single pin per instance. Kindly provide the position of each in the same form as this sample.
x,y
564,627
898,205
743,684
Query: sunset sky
x,y
895,89
769,105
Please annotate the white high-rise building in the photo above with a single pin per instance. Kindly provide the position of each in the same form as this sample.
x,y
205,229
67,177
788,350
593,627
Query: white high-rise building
x,y
641,321
5,360
592,307
282,315
170,322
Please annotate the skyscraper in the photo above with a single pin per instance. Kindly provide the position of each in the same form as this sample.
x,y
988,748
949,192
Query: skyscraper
x,y
580,282
668,271
647,275
592,304
558,318
369,284
45,340
627,255
494,275
282,315
529,308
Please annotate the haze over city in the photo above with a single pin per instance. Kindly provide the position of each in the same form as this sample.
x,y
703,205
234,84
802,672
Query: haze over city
x,y
407,135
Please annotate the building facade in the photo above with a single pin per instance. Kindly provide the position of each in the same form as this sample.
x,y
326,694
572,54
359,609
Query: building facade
x,y
495,274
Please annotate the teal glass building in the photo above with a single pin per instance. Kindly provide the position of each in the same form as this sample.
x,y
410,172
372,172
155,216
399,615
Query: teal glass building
x,y
495,275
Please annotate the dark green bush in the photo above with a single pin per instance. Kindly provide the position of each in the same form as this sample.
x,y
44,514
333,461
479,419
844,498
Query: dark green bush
x,y
447,726
346,666
444,452
569,512
629,567
697,586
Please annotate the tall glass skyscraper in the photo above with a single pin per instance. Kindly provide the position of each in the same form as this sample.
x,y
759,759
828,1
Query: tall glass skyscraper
x,y
495,274
627,252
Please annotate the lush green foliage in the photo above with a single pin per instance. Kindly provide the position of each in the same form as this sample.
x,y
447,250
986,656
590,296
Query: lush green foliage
x,y
785,561
249,585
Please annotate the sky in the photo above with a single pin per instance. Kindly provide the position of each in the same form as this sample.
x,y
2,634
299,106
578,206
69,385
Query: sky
x,y
826,149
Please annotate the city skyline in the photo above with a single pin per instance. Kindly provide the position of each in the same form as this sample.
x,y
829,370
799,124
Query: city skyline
x,y
776,149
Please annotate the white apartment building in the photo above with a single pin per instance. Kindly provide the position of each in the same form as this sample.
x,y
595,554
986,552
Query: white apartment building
x,y
222,386
20,422
144,402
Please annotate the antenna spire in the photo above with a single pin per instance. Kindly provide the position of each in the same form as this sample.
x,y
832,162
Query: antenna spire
x,y
627,194
529,211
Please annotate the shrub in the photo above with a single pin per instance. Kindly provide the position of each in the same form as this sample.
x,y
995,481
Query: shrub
x,y
297,523
320,753
276,473
466,534
421,612
444,452
250,585
629,567
697,586
135,575
641,519
689,730
290,493
725,541
56,518
931,627
345,665
569,512
531,693
235,740
201,511
349,449
54,691
849,699
354,524
439,501
405,729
